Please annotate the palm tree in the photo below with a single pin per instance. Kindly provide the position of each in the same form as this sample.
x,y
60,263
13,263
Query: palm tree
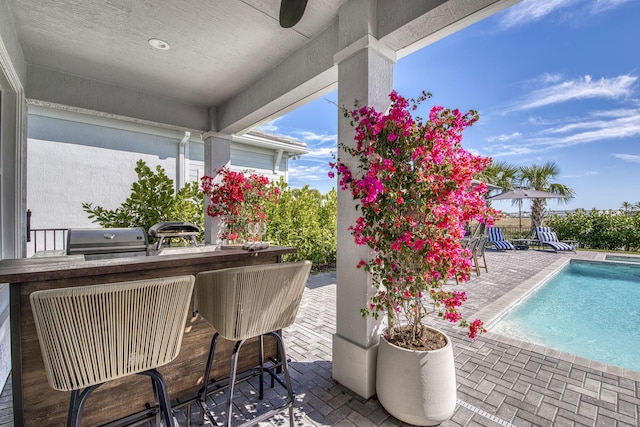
x,y
501,174
541,178
627,206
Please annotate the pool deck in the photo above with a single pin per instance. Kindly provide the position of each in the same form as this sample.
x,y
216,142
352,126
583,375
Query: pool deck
x,y
501,381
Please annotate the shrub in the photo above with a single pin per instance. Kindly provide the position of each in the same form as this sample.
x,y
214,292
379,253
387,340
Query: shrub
x,y
152,200
608,230
306,219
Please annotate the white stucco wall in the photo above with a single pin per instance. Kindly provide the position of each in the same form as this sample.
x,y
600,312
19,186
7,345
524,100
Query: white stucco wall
x,y
71,162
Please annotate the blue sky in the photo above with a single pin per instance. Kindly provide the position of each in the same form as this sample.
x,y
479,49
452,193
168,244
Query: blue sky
x,y
553,80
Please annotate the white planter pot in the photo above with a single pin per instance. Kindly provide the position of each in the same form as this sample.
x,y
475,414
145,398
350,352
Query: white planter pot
x,y
417,387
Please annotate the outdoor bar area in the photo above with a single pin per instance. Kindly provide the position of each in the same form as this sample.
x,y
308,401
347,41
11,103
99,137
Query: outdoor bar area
x,y
35,403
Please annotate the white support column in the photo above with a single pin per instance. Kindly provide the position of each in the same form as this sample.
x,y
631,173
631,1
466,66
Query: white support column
x,y
365,74
217,155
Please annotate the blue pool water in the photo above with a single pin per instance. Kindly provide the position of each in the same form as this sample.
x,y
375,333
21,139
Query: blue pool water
x,y
590,309
622,258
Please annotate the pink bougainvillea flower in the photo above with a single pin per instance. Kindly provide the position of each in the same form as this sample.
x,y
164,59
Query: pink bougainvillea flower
x,y
412,187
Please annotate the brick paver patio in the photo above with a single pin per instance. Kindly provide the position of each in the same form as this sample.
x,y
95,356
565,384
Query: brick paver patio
x,y
501,381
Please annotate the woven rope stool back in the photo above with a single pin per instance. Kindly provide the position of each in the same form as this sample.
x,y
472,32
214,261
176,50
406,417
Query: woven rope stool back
x,y
92,334
246,302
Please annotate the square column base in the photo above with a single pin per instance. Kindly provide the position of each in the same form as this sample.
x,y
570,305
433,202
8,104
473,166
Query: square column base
x,y
355,366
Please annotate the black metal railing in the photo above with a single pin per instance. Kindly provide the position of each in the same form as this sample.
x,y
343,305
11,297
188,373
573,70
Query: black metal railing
x,y
515,232
46,239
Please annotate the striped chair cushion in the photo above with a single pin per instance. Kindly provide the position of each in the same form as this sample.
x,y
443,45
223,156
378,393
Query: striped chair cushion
x,y
495,234
559,246
548,237
496,237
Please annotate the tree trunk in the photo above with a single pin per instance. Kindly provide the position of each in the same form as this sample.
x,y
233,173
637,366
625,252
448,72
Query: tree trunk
x,y
537,213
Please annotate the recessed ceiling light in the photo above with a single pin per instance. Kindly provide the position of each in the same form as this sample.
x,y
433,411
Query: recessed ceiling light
x,y
159,44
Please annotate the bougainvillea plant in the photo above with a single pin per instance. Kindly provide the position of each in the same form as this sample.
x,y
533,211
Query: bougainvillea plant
x,y
238,198
414,192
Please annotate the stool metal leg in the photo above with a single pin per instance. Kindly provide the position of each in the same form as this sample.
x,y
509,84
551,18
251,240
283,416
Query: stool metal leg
x,y
202,401
261,367
232,380
287,377
78,399
233,373
163,395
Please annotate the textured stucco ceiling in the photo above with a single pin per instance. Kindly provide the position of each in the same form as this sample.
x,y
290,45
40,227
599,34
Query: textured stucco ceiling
x,y
218,47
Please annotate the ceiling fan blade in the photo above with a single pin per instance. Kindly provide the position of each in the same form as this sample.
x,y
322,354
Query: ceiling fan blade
x,y
291,12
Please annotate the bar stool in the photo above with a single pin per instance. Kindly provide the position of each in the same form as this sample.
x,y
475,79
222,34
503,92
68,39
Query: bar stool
x,y
93,334
247,302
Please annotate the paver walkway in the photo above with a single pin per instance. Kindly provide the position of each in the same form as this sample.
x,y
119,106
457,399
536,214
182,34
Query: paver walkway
x,y
501,381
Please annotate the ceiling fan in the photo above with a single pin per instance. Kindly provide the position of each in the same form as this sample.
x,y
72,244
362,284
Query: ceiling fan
x,y
291,12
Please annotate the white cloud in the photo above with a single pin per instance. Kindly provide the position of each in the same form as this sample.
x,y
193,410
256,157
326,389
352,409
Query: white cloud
x,y
551,78
504,138
509,150
312,136
603,5
621,112
613,124
584,88
592,131
270,126
320,152
532,10
307,173
633,158
539,121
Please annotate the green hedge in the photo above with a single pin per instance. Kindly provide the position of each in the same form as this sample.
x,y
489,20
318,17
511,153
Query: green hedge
x,y
306,219
609,230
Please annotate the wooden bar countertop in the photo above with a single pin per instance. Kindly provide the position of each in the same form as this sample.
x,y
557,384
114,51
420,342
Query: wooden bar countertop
x,y
37,404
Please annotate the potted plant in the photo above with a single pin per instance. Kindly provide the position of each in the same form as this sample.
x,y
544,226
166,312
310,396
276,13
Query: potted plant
x,y
414,192
239,199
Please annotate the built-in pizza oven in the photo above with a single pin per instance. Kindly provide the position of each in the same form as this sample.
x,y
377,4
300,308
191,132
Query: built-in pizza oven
x,y
174,229
98,243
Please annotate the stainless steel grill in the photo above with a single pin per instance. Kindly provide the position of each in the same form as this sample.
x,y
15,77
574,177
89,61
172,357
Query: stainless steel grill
x,y
174,229
98,243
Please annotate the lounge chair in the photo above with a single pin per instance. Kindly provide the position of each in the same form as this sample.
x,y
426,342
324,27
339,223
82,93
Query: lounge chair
x,y
545,236
496,238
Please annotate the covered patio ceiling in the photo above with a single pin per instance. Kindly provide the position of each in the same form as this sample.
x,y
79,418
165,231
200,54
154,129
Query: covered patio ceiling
x,y
230,66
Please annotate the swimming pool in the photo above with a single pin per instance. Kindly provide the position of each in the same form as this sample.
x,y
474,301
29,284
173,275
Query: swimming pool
x,y
623,258
590,309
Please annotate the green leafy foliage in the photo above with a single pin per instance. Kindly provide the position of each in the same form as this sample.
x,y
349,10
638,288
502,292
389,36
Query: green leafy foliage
x,y
303,218
307,220
152,200
609,230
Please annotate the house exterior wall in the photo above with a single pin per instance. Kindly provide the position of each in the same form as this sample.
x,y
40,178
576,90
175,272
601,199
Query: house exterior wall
x,y
72,162
243,157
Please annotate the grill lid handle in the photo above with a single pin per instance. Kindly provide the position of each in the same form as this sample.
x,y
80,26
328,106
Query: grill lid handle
x,y
109,236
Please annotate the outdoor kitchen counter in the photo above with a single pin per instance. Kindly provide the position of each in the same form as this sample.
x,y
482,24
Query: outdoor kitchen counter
x,y
36,404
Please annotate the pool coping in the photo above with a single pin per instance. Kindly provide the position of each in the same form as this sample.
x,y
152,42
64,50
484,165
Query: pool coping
x,y
494,311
